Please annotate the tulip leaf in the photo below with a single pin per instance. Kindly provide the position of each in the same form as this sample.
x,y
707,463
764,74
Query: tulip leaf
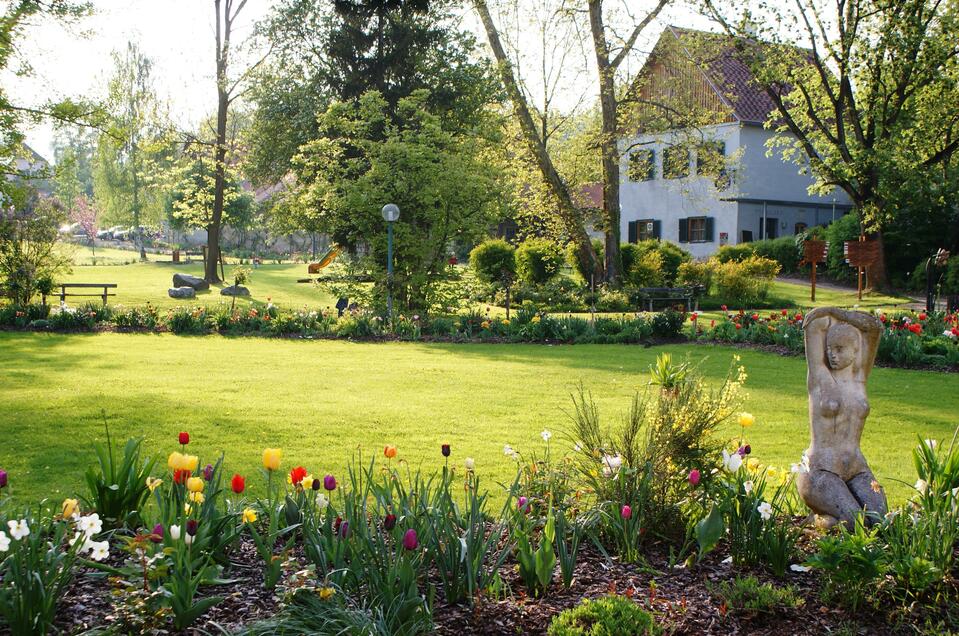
x,y
709,531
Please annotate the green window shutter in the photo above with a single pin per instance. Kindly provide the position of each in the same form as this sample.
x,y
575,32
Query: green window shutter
x,y
709,229
684,230
633,231
657,229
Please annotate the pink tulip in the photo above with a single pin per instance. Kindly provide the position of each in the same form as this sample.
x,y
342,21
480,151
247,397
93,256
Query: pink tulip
x,y
626,512
694,477
410,541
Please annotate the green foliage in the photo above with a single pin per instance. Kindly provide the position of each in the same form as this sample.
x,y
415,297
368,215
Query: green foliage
x,y
696,273
536,565
836,233
598,247
606,616
537,261
494,261
190,201
645,269
672,256
117,486
444,182
30,250
746,595
744,283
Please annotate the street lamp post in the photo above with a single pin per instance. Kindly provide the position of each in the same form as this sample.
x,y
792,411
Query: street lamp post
x,y
391,212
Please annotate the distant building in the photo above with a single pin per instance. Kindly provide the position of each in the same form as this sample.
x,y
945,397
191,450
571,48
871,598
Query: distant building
x,y
31,168
713,184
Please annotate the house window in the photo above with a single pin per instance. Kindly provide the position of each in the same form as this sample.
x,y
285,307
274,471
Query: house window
x,y
643,230
711,159
696,229
642,166
675,162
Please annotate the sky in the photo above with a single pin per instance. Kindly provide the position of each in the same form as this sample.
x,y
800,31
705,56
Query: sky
x,y
178,35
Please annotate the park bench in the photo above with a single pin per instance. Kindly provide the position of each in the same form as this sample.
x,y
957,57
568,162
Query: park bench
x,y
687,295
85,286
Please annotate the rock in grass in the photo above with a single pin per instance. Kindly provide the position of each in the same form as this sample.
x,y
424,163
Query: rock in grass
x,y
235,290
186,280
182,292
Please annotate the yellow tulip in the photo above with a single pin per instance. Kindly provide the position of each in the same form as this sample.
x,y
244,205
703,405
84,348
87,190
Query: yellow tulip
x,y
174,461
197,497
153,484
746,419
271,458
179,461
249,515
194,484
70,507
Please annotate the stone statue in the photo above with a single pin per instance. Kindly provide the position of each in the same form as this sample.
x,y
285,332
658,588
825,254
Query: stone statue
x,y
840,350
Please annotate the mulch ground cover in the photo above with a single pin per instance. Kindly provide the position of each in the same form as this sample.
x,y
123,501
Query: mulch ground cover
x,y
682,599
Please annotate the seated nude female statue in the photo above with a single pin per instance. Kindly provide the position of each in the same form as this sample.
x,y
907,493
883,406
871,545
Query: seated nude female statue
x,y
840,350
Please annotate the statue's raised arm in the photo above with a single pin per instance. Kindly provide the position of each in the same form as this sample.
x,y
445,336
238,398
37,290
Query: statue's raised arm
x,y
840,349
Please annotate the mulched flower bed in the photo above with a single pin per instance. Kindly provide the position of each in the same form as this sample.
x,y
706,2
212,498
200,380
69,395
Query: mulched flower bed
x,y
680,598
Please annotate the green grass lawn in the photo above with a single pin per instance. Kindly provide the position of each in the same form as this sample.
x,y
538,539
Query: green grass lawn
x,y
321,401
140,283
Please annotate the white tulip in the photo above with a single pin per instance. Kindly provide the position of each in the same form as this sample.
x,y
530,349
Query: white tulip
x,y
469,463
175,533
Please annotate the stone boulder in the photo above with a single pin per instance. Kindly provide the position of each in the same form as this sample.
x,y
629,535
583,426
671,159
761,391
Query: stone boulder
x,y
186,280
235,290
182,292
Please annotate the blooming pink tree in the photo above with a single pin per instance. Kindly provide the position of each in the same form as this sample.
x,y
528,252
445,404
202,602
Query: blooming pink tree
x,y
84,212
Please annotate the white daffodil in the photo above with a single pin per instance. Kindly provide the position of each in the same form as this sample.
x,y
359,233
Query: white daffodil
x,y
922,486
470,463
577,448
795,567
322,501
100,550
765,510
545,435
4,541
732,462
18,529
802,466
727,561
175,533
930,444
612,464
508,450
748,486
91,524
463,549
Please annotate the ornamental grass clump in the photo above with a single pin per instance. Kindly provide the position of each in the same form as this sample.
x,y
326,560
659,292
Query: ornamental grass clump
x,y
606,616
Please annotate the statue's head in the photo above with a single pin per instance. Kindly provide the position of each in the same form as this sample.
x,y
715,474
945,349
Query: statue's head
x,y
842,345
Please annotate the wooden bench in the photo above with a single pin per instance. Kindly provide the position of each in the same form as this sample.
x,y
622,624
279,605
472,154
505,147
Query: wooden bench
x,y
83,286
688,295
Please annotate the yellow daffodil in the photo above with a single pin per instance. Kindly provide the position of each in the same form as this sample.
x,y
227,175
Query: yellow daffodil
x,y
307,482
194,484
153,483
772,473
535,320
197,497
70,507
271,458
752,464
746,419
187,508
506,321
326,592
249,515
485,324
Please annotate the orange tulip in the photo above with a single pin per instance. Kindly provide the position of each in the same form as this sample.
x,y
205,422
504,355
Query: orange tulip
x,y
389,451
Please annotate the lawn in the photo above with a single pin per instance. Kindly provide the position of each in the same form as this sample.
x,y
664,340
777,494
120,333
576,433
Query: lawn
x,y
140,283
322,401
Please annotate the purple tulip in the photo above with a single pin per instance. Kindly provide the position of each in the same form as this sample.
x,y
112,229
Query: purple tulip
x,y
522,504
316,484
344,529
329,482
208,472
410,541
445,449
157,535
191,527
3,479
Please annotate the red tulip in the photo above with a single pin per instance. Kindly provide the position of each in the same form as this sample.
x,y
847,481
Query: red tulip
x,y
922,316
238,484
445,449
410,540
297,475
184,438
180,476
389,521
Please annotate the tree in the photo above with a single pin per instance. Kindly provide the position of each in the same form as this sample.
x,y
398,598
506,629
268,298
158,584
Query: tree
x,y
536,144
610,54
446,184
84,212
131,145
190,203
30,255
868,104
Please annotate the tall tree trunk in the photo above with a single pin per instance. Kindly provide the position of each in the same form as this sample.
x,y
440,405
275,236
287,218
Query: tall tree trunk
x,y
608,142
219,185
568,211
137,237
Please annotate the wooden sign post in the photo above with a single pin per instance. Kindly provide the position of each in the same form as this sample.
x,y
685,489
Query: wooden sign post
x,y
861,254
814,252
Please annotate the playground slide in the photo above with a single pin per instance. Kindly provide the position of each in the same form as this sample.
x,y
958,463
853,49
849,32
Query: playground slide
x,y
327,258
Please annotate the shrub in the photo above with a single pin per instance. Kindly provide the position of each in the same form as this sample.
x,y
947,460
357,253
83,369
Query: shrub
x,y
745,283
538,261
668,323
735,253
672,256
784,250
746,595
137,317
30,254
600,249
647,270
696,273
494,261
612,300
836,233
607,616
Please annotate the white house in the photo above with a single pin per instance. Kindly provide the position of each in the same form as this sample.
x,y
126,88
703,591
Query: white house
x,y
712,184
